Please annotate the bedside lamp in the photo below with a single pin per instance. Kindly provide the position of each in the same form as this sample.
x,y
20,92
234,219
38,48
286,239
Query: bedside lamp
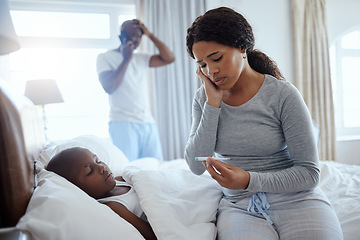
x,y
42,92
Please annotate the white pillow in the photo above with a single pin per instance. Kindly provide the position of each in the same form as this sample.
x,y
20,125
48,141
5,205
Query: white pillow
x,y
104,149
59,210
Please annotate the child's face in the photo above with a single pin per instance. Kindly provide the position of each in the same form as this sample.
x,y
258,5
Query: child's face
x,y
91,175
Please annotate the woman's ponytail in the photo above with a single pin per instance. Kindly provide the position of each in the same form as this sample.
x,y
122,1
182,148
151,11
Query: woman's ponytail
x,y
261,63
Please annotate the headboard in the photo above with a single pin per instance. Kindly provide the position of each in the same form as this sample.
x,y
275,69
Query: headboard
x,y
17,150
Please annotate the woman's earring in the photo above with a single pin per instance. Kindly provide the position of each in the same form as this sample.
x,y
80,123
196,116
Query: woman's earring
x,y
244,56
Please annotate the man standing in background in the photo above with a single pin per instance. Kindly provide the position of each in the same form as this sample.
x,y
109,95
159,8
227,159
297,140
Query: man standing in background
x,y
123,75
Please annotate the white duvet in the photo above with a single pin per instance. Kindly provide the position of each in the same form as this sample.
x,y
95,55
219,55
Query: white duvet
x,y
341,184
178,204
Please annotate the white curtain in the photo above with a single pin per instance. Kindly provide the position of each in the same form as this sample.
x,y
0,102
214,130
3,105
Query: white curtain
x,y
172,86
312,69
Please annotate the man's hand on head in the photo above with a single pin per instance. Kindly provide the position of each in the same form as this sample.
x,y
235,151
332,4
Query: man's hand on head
x,y
141,25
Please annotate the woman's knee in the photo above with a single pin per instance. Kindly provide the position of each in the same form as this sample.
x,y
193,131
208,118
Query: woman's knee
x,y
236,224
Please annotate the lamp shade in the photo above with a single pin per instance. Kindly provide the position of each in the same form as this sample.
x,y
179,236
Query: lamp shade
x,y
8,39
43,91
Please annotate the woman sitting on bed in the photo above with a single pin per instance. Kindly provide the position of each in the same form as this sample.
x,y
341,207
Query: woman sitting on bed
x,y
245,111
84,169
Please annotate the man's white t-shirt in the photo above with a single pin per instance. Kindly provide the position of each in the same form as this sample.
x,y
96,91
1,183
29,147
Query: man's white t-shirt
x,y
130,101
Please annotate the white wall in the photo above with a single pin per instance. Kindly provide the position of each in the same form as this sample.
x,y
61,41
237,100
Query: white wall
x,y
271,22
342,16
4,67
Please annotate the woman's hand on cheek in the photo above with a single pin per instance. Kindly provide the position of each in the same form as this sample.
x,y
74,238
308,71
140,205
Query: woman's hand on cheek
x,y
227,175
213,93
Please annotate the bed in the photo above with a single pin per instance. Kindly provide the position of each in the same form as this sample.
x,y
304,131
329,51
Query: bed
x,y
37,204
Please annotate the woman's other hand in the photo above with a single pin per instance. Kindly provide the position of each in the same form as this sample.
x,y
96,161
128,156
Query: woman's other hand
x,y
227,175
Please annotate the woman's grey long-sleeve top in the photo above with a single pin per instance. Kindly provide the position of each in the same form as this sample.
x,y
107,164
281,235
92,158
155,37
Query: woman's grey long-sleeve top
x,y
270,136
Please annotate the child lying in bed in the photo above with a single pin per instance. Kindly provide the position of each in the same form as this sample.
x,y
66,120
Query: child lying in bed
x,y
84,169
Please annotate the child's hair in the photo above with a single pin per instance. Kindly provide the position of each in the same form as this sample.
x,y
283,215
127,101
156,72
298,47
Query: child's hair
x,y
59,163
228,27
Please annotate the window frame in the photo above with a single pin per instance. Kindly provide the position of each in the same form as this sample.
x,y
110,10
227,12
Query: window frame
x,y
113,8
107,7
343,133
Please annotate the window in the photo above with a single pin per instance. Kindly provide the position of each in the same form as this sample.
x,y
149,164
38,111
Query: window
x,y
61,24
61,42
345,60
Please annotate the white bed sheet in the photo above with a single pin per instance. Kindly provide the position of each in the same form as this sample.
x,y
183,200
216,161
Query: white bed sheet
x,y
341,184
179,205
